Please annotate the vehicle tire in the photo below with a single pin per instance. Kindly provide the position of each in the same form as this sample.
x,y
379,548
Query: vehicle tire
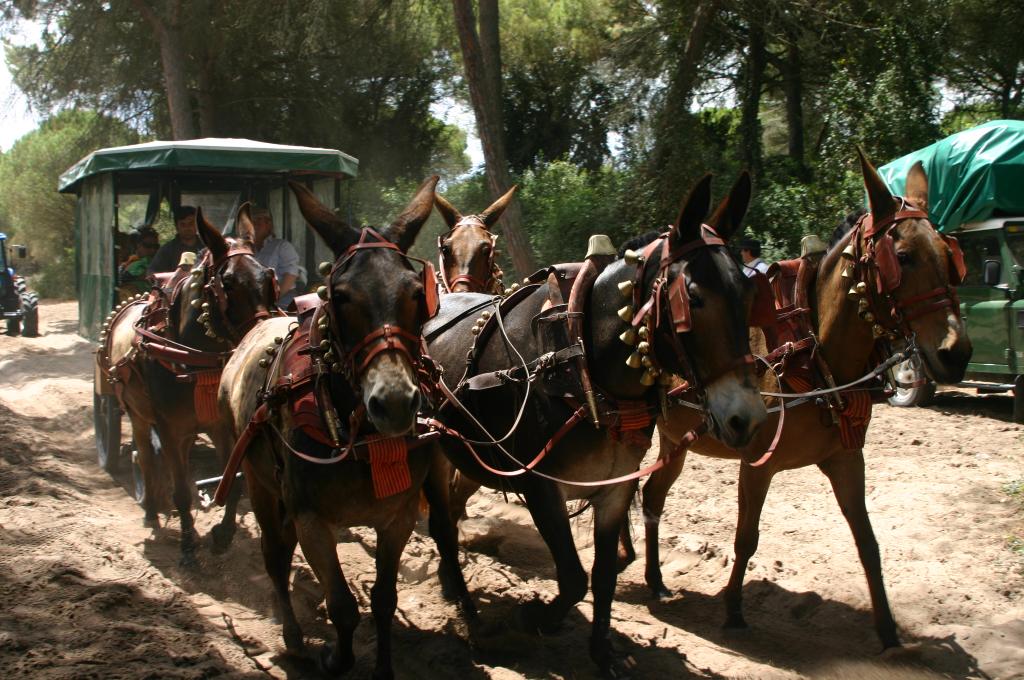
x,y
106,417
909,371
1018,399
29,315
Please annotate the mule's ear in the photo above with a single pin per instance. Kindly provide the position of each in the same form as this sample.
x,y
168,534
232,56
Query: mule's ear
x,y
406,226
338,235
695,209
211,237
448,211
881,201
494,210
729,214
917,186
244,228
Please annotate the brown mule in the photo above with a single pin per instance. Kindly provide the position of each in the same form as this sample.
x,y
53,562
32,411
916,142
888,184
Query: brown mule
x,y
160,368
923,259
364,355
467,258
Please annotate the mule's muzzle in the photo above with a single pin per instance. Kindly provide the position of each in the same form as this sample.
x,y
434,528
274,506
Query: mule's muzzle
x,y
736,410
947,364
393,410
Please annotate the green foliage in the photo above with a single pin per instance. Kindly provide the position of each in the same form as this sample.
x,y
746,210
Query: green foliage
x,y
30,207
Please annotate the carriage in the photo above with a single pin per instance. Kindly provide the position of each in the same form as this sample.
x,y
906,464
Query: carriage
x,y
122,188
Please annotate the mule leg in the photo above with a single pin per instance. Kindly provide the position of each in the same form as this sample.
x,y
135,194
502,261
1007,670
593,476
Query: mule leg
x,y
176,448
610,509
547,507
277,542
446,537
845,471
384,594
152,484
320,548
462,489
223,532
655,493
753,487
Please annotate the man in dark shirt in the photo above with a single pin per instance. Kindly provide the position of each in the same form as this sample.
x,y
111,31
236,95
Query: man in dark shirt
x,y
187,240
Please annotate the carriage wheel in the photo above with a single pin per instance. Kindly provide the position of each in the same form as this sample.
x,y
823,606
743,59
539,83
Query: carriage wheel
x,y
106,418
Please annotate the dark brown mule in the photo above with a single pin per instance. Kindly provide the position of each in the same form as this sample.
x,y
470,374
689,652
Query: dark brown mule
x,y
467,258
688,281
208,312
368,361
847,345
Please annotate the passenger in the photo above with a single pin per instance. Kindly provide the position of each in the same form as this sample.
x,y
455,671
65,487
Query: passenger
x,y
750,251
187,240
277,254
131,275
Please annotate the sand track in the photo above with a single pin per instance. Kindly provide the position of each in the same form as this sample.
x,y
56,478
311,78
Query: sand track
x,y
89,592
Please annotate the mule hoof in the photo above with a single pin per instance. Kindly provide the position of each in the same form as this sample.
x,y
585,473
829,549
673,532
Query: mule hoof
x,y
151,522
333,663
467,607
614,665
221,538
293,642
660,592
188,561
736,625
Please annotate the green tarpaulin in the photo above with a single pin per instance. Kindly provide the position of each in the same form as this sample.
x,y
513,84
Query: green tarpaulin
x,y
240,155
972,175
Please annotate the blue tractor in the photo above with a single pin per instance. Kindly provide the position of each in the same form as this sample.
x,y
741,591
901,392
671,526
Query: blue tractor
x,y
18,305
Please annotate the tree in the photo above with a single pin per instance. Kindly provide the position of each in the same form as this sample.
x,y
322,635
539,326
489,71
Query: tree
x,y
480,54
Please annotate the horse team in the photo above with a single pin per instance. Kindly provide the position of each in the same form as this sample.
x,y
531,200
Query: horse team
x,y
373,394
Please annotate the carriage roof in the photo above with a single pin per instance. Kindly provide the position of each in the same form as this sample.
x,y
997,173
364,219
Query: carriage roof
x,y
212,155
972,175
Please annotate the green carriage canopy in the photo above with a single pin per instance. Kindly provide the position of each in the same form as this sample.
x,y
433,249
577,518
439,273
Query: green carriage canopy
x,y
972,175
215,173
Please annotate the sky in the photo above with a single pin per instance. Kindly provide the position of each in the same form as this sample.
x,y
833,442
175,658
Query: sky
x,y
16,119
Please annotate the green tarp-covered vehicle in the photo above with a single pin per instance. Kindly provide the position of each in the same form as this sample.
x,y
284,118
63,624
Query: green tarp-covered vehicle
x,y
127,186
976,192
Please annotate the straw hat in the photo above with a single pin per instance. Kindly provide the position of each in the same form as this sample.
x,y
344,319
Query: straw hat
x,y
811,245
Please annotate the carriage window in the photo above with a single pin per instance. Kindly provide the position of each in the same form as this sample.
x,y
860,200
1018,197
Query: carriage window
x,y
218,207
978,248
1015,241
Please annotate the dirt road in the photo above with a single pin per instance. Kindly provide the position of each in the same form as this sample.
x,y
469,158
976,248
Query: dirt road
x,y
88,592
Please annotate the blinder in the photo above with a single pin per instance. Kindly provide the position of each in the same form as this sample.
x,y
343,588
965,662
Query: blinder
x,y
957,266
762,311
214,288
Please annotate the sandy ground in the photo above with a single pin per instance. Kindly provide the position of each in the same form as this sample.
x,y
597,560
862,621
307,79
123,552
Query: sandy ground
x,y
88,592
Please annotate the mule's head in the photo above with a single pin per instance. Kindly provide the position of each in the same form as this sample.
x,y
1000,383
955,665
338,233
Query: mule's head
x,y
376,306
468,263
701,324
918,270
235,290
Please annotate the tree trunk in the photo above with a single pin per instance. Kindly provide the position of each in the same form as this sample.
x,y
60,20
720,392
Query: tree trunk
x,y
487,110
173,62
793,87
750,94
686,69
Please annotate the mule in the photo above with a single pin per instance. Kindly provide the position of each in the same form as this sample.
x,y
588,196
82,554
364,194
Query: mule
x,y
924,297
467,258
365,375
685,279
165,355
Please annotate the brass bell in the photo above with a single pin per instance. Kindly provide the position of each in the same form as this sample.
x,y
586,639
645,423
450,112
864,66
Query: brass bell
x,y
647,362
526,280
322,327
644,333
626,288
848,272
486,315
626,313
278,341
325,345
210,333
861,287
862,305
853,292
264,363
103,337
644,347
514,287
206,306
329,356
634,360
196,273
632,257
850,252
648,378
196,303
195,285
322,292
877,331
629,337
868,317
336,367
324,268
475,330
204,317
271,350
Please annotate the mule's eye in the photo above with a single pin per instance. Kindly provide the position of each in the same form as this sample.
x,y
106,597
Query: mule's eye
x,y
695,299
903,257
446,249
485,248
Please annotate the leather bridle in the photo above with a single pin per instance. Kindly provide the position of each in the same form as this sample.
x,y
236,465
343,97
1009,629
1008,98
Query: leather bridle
x,y
354,361
489,285
207,278
672,299
872,248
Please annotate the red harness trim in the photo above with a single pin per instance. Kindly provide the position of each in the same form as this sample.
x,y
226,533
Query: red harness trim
x,y
389,465
205,396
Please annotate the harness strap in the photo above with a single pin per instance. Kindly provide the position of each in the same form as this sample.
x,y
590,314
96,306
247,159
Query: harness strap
x,y
160,347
